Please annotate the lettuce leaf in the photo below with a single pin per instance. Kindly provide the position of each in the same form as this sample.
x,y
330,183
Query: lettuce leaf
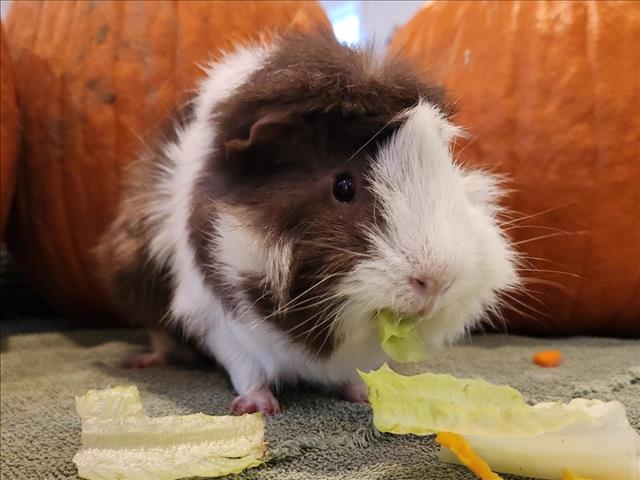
x,y
117,402
591,437
430,403
603,446
120,442
399,338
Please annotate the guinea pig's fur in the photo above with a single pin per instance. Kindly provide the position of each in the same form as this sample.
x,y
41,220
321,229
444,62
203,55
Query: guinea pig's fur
x,y
230,234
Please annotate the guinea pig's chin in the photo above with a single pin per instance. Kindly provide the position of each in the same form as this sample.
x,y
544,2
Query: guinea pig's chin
x,y
422,310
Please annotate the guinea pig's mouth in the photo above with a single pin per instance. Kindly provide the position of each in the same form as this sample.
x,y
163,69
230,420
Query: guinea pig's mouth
x,y
420,313
425,305
418,310
425,309
424,312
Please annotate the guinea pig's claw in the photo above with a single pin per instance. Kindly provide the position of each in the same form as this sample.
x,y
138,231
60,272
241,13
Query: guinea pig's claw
x,y
262,401
355,392
147,360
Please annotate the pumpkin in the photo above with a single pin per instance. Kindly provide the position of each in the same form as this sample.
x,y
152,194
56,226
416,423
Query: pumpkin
x,y
8,132
550,93
93,80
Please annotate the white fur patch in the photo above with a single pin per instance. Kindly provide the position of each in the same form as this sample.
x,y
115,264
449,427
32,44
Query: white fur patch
x,y
242,251
438,223
237,247
278,266
226,76
192,299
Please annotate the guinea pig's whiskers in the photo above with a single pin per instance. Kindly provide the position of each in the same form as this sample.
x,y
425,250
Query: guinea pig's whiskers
x,y
494,316
523,286
539,227
300,307
559,272
143,143
281,309
533,215
519,262
549,235
524,305
320,324
540,259
306,304
333,247
334,299
528,293
339,313
261,297
318,327
542,281
375,135
506,305
457,154
333,322
322,275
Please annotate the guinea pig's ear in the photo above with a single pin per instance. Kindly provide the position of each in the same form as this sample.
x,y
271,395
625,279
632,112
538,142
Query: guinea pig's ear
x,y
265,131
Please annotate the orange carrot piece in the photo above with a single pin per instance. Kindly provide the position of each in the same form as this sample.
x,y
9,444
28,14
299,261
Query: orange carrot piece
x,y
548,358
470,459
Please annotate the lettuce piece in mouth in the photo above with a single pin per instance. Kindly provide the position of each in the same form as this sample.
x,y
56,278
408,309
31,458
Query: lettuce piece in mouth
x,y
398,337
542,441
120,442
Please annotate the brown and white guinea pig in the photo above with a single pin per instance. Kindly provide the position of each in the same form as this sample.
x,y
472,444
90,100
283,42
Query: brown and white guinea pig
x,y
306,186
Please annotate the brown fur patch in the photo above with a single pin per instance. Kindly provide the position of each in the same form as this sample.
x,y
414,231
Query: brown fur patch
x,y
138,287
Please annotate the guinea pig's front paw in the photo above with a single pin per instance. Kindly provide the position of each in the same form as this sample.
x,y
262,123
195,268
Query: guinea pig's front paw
x,y
147,360
262,401
355,392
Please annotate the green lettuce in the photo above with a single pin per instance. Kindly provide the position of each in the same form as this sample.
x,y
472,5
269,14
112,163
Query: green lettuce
x,y
117,402
591,437
429,403
399,338
120,442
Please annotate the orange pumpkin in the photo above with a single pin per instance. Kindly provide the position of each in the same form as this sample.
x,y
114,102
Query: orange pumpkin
x,y
550,92
93,79
8,132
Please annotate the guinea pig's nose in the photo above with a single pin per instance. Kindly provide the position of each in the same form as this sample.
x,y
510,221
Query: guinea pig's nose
x,y
421,285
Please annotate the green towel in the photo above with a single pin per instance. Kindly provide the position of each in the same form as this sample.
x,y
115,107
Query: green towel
x,y
316,437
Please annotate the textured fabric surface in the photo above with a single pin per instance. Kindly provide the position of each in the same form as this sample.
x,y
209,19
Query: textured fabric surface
x,y
316,437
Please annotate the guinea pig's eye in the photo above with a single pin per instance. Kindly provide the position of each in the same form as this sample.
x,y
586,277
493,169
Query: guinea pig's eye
x,y
344,188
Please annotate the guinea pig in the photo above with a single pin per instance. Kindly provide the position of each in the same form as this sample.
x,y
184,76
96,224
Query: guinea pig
x,y
304,187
